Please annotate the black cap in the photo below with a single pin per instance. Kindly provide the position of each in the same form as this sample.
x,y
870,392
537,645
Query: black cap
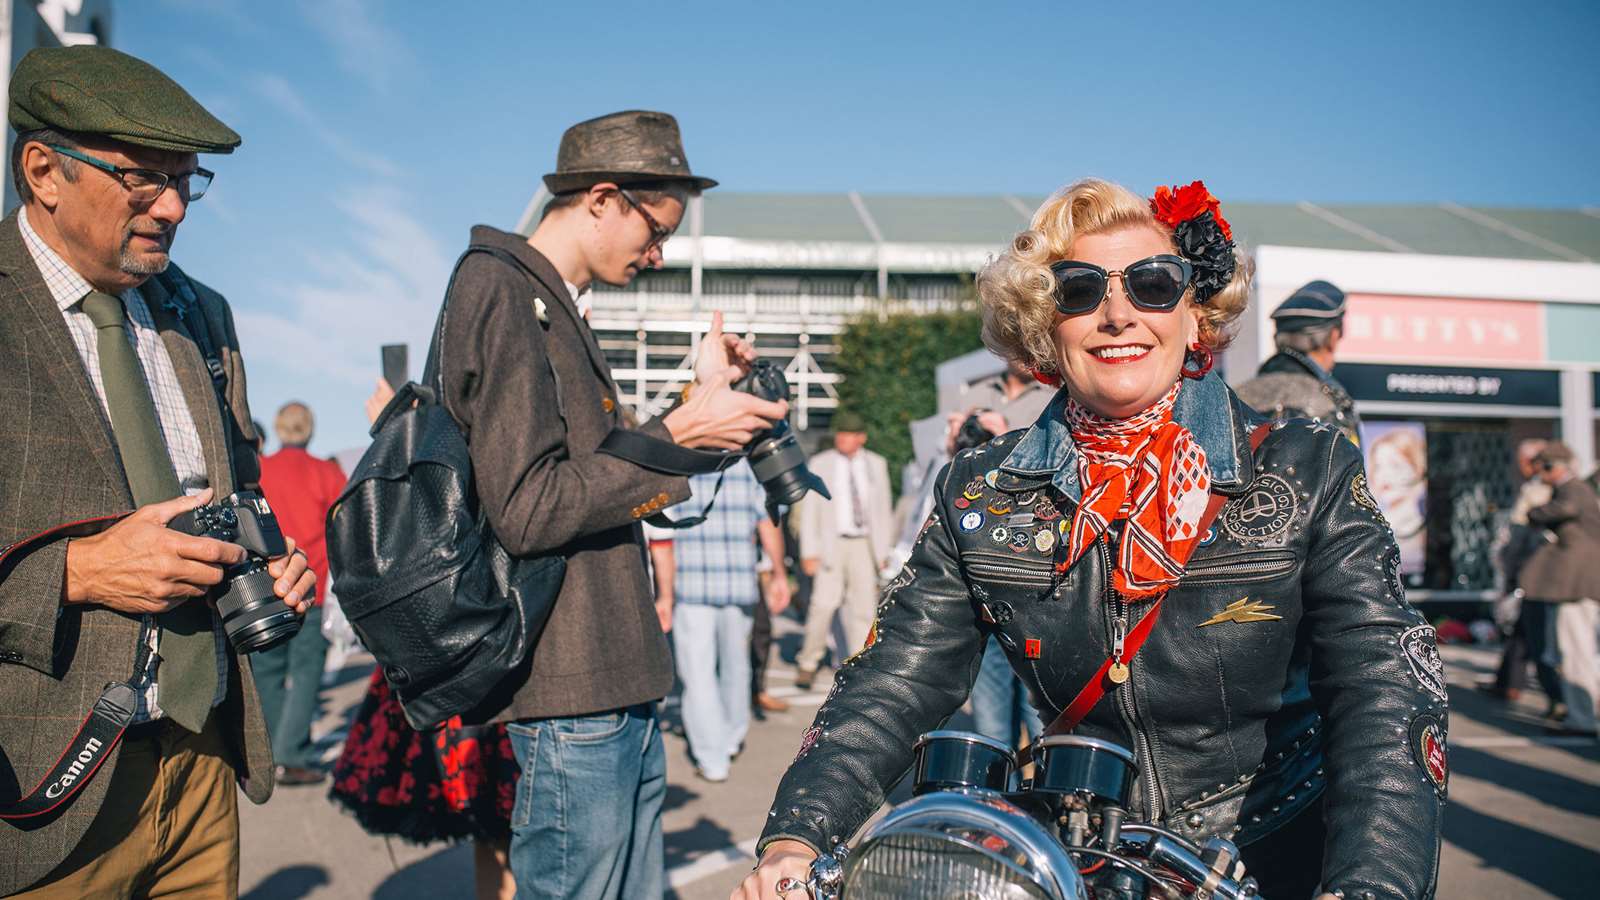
x,y
1314,304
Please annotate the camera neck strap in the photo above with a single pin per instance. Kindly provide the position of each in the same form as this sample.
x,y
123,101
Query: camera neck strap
x,y
110,716
652,453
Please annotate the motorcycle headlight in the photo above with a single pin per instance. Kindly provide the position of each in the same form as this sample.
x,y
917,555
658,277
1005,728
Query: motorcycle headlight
x,y
958,845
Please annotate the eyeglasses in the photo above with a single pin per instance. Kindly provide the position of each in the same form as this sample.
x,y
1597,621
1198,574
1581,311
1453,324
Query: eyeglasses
x,y
1155,284
658,235
146,184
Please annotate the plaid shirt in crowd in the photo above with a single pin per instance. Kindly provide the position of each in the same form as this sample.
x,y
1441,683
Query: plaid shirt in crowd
x,y
716,560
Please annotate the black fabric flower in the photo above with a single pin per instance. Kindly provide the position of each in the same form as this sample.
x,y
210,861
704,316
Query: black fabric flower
x,y
1202,242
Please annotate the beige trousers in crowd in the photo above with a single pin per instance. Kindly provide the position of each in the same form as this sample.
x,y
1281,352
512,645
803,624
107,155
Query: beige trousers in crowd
x,y
169,826
848,585
1576,625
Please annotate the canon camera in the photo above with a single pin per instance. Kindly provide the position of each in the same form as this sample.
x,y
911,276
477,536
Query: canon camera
x,y
253,617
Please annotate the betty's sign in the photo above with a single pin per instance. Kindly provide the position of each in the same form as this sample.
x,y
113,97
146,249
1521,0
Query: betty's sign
x,y
1378,326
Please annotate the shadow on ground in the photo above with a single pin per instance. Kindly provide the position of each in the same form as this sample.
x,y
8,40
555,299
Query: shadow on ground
x,y
447,873
289,883
1541,860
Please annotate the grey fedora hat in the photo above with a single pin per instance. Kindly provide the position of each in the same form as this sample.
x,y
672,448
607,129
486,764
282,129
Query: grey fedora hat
x,y
625,148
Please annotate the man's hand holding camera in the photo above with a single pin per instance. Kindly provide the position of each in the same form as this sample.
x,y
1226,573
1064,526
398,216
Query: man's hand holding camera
x,y
713,415
140,566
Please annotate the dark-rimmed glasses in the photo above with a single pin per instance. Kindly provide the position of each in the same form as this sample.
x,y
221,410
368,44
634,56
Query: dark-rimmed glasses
x,y
658,234
146,184
1155,284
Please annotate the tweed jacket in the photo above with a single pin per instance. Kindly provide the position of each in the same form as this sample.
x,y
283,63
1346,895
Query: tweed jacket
x,y
545,489
1563,567
59,464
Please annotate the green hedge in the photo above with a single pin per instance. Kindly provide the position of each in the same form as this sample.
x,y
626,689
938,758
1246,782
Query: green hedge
x,y
888,367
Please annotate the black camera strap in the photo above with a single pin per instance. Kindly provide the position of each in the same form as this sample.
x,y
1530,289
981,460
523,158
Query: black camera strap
x,y
657,455
103,728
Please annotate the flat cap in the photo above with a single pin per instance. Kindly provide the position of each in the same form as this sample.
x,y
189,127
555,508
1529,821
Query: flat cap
x,y
1314,304
848,420
100,91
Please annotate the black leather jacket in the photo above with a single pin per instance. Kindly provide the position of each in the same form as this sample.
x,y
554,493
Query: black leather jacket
x,y
1286,672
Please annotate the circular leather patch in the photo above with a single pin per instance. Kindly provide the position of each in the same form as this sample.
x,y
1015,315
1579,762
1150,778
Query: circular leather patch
x,y
1429,751
1263,514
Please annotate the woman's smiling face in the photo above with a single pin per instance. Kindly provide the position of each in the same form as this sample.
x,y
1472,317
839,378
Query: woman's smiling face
x,y
1119,359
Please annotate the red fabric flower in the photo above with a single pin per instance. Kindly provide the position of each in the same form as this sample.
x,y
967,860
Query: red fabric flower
x,y
1180,204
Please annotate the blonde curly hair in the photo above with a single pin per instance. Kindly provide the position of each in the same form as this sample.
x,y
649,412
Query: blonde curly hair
x,y
1017,288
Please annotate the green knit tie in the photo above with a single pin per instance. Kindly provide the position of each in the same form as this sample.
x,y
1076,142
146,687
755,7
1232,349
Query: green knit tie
x,y
188,672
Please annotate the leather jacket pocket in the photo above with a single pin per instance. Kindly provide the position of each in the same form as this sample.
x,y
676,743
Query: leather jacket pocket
x,y
1241,568
1007,569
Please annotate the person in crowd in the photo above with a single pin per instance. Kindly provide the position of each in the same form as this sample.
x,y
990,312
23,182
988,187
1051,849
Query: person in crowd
x,y
1014,396
711,594
126,391
1140,498
762,702
1516,547
844,542
455,784
1562,576
526,382
1014,399
1298,380
301,489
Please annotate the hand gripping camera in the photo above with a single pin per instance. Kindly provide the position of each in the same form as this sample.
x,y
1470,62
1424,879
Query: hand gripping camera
x,y
253,617
775,455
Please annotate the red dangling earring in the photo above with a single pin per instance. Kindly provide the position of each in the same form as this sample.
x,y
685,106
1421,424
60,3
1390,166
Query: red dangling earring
x,y
1049,378
1197,362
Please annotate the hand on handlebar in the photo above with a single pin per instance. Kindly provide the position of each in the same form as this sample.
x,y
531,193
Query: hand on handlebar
x,y
782,859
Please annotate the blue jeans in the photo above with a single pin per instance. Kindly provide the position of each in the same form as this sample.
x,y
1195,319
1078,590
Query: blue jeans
x,y
1000,705
587,820
711,646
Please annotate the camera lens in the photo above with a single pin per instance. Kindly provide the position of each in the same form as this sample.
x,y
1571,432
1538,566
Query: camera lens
x,y
252,615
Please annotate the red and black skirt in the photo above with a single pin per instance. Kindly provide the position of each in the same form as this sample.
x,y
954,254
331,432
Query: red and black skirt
x,y
459,782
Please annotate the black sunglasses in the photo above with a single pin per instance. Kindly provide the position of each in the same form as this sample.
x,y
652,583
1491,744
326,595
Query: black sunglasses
x,y
1156,283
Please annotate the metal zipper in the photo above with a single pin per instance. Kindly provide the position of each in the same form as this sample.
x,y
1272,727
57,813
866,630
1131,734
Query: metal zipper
x,y
1227,570
1142,751
1042,577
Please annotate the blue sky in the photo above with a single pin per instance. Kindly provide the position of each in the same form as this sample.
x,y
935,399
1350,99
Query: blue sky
x,y
376,133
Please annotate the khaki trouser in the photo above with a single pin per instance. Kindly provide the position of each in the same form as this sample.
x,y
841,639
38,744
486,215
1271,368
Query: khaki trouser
x,y
1576,623
848,585
169,826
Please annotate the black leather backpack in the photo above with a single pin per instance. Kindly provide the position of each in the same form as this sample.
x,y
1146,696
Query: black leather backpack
x,y
427,586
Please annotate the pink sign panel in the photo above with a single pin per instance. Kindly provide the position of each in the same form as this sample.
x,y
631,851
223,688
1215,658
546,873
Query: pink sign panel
x,y
1380,327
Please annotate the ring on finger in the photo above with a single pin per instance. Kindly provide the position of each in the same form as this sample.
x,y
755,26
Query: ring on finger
x,y
787,884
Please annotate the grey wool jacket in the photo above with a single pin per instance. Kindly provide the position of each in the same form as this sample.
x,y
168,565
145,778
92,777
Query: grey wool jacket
x,y
59,464
533,441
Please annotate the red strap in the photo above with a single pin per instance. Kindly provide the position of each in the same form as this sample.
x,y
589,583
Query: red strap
x,y
81,528
1098,684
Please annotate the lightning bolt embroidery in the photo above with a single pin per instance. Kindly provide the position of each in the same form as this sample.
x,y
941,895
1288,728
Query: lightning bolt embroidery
x,y
1242,611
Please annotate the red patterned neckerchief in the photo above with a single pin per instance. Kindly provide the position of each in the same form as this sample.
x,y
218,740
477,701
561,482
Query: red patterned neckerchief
x,y
1150,471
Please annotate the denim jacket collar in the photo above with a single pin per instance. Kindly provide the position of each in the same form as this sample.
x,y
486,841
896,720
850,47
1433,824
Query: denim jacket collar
x,y
1205,407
